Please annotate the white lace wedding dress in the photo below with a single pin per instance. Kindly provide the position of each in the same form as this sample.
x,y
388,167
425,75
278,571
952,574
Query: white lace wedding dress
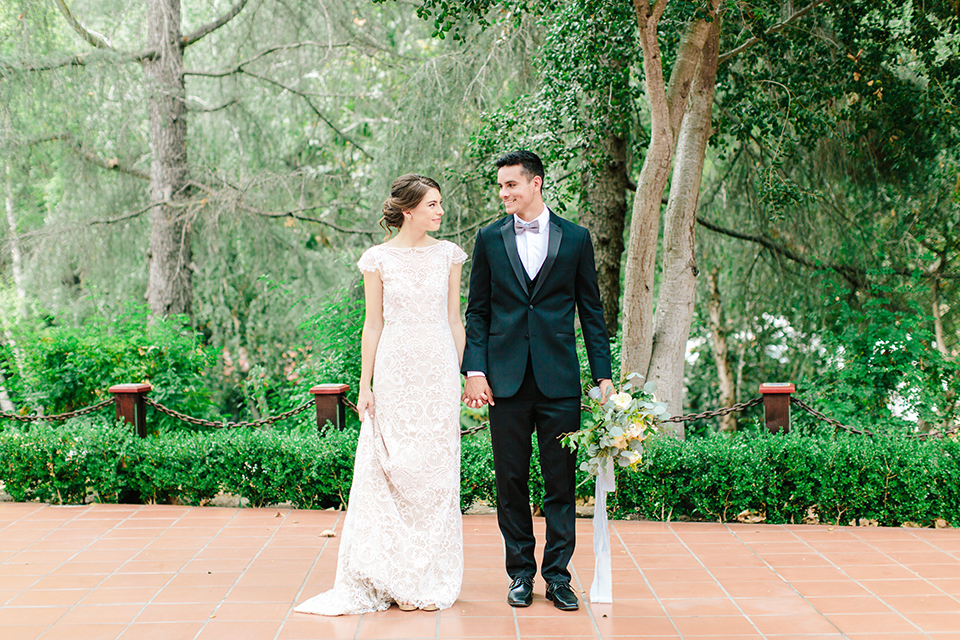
x,y
402,539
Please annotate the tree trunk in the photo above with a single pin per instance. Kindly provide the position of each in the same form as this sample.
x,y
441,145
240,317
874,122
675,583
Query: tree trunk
x,y
16,255
667,109
169,288
675,302
645,223
603,213
721,352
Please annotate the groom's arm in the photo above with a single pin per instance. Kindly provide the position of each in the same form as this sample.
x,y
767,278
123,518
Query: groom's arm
x,y
477,389
590,310
478,311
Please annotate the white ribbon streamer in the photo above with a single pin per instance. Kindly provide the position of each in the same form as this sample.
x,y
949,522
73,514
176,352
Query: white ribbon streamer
x,y
601,591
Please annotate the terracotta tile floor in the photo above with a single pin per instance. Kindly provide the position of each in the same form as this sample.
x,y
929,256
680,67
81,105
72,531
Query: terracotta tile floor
x,y
166,572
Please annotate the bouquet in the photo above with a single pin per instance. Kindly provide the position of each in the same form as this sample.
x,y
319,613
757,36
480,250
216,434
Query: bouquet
x,y
618,428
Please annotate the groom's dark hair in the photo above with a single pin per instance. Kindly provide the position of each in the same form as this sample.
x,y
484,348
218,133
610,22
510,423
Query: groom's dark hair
x,y
531,162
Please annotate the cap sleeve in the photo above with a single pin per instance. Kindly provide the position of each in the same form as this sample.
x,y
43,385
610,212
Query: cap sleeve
x,y
370,260
457,255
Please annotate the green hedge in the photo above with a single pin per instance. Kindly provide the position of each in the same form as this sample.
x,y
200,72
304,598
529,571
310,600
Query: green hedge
x,y
891,480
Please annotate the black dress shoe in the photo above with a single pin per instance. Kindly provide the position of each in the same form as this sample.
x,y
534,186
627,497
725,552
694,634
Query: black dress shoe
x,y
562,596
520,593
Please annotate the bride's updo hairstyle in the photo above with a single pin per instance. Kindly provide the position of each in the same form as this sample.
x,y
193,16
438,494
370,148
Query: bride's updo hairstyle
x,y
406,192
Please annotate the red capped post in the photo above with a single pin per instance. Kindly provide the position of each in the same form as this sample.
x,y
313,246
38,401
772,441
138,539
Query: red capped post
x,y
132,405
776,405
331,407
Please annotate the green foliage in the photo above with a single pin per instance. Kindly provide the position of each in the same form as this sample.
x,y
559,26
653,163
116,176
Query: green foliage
x,y
885,372
83,460
66,465
889,479
69,367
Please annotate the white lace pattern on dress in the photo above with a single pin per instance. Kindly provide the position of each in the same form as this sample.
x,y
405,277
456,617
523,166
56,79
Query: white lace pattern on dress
x,y
402,539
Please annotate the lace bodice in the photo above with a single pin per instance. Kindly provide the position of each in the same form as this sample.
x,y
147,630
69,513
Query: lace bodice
x,y
414,280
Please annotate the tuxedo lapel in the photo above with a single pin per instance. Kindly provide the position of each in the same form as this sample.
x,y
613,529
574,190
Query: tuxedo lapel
x,y
510,244
553,248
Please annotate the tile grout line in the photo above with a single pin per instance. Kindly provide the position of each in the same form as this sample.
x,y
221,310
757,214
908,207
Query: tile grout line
x,y
647,581
716,580
77,603
167,583
929,544
39,508
841,570
144,548
785,581
78,552
586,602
303,586
927,580
242,573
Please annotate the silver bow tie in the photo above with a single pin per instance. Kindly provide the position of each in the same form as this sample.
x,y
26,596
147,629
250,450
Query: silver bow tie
x,y
520,227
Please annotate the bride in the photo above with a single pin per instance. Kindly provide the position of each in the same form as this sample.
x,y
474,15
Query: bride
x,y
402,540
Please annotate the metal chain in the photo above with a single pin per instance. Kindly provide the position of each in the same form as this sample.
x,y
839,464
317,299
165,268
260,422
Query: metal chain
x,y
200,422
463,432
58,417
476,429
864,432
834,423
740,406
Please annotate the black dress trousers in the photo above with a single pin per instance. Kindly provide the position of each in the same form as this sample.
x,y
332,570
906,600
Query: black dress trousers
x,y
513,421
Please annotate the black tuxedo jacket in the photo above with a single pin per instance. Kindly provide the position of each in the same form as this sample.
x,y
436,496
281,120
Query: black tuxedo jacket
x,y
509,322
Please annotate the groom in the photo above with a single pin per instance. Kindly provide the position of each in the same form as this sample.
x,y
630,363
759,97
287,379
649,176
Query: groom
x,y
530,270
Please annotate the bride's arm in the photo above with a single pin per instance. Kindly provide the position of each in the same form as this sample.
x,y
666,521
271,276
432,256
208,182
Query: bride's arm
x,y
453,312
370,338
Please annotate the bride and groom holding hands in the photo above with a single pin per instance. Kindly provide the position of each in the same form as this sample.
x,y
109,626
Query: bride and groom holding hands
x,y
532,272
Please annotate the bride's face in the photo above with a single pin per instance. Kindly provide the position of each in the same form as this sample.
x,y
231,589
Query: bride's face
x,y
427,214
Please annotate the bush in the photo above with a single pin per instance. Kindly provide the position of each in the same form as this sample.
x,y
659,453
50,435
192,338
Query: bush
x,y
890,480
71,367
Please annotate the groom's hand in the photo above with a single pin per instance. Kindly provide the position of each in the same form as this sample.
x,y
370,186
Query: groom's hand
x,y
476,392
606,389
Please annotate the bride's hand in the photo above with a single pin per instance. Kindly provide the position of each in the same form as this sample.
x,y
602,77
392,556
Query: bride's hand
x,y
365,403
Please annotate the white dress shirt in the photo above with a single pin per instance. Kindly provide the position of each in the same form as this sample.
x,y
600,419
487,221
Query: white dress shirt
x,y
532,247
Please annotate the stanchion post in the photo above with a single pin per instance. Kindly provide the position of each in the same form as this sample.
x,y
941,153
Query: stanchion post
x,y
331,407
132,405
776,405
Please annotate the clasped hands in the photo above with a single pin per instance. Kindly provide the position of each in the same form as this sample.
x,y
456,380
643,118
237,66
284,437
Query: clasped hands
x,y
476,391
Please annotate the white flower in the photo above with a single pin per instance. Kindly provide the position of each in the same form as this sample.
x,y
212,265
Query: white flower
x,y
622,400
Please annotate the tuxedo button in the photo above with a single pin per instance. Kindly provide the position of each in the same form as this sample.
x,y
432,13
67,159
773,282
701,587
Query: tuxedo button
x,y
531,306
526,336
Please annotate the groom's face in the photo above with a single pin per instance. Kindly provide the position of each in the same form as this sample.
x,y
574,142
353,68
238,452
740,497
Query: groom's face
x,y
519,192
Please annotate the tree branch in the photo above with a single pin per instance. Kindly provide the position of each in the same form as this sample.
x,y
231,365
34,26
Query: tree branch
x,y
229,103
856,276
312,107
94,39
297,214
111,164
772,30
238,68
210,27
